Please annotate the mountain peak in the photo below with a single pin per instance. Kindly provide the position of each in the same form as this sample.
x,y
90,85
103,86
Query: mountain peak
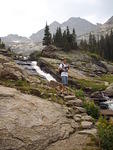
x,y
110,21
81,26
55,23
73,18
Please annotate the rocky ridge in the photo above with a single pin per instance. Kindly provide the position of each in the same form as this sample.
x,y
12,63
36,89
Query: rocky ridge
x,y
81,26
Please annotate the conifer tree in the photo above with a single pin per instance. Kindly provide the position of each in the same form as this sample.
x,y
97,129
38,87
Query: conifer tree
x,y
47,40
2,45
65,40
103,47
58,38
83,45
74,41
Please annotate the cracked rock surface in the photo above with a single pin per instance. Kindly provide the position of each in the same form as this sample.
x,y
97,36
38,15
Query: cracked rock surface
x,y
30,123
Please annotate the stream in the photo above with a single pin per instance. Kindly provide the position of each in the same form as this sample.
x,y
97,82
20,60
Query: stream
x,y
34,69
108,104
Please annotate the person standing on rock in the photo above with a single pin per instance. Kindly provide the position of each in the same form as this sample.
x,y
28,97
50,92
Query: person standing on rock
x,y
63,70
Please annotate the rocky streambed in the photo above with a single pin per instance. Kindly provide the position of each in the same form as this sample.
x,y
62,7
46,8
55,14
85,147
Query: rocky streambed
x,y
34,69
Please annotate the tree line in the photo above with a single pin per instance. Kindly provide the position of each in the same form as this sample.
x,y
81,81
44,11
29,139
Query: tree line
x,y
67,41
102,46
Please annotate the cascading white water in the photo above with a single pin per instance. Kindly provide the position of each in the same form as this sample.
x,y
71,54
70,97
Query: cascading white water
x,y
39,71
111,106
109,101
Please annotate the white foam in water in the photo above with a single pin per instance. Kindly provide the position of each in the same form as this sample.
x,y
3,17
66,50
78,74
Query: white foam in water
x,y
111,106
39,71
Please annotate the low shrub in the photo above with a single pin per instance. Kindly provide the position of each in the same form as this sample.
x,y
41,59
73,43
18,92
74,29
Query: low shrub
x,y
91,109
107,78
80,94
92,85
21,83
94,56
35,55
105,132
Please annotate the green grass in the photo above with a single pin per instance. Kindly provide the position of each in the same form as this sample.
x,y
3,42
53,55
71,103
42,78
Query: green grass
x,y
94,55
107,78
92,84
37,89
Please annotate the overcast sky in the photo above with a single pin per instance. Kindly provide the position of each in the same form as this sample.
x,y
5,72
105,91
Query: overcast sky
x,y
25,17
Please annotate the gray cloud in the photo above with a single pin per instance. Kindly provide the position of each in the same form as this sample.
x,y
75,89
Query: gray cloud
x,y
27,16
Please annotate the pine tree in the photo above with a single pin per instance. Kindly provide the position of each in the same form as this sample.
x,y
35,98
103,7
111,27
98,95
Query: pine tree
x,y
102,47
58,38
47,40
74,41
66,46
90,42
65,40
83,45
67,31
2,45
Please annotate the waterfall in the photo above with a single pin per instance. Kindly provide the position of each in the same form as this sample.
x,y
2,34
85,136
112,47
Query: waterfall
x,y
42,73
106,97
109,101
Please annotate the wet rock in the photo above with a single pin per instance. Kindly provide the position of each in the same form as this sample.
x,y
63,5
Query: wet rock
x,y
98,97
97,94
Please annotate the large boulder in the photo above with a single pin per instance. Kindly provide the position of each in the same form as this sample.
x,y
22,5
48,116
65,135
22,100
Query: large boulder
x,y
49,51
98,97
10,70
108,66
28,122
31,123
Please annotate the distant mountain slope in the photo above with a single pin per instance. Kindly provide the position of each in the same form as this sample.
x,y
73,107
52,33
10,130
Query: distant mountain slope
x,y
110,21
21,44
102,29
14,38
81,26
37,37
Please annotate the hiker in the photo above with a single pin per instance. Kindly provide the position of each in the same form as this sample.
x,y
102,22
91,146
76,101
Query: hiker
x,y
63,70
